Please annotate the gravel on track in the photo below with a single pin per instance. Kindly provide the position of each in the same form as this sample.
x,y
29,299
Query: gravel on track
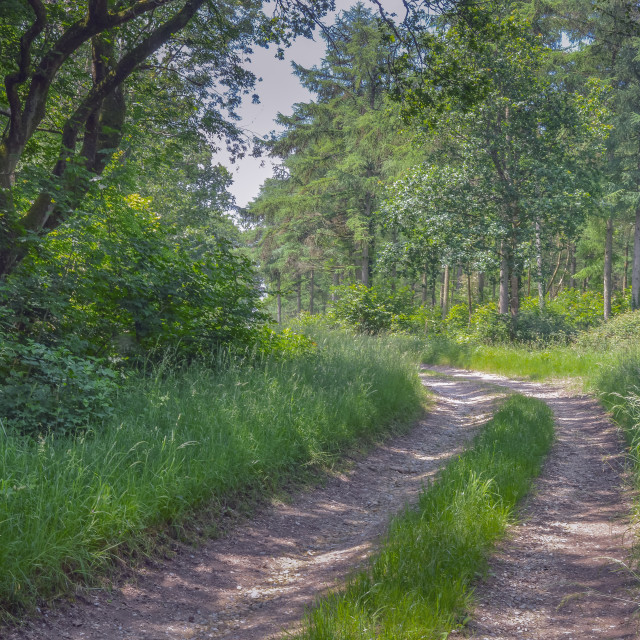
x,y
555,577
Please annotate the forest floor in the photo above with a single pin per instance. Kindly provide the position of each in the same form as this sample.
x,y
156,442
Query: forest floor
x,y
557,576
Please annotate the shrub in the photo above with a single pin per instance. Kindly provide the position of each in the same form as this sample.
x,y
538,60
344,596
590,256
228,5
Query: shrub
x,y
620,331
48,389
372,309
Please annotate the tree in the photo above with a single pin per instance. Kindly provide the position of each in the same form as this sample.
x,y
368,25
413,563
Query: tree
x,y
338,150
517,145
44,54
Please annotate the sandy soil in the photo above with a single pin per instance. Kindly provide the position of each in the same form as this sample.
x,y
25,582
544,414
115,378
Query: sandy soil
x,y
560,574
552,579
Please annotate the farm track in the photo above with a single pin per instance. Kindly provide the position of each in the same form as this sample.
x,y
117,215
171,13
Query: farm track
x,y
553,578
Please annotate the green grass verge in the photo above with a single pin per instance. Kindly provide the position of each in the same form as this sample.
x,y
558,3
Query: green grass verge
x,y
188,440
519,361
420,584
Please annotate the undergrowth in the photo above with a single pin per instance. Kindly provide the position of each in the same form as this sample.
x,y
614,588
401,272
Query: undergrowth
x,y
539,363
182,440
420,584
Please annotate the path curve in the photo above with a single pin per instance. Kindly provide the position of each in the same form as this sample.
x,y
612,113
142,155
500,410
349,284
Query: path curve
x,y
254,583
557,576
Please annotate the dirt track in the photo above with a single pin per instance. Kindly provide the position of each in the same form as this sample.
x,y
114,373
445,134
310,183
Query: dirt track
x,y
552,579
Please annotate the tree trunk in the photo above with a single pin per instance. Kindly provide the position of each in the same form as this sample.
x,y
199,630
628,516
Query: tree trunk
x,y
572,267
481,287
299,295
336,283
442,292
625,280
445,292
514,301
278,301
635,270
469,299
434,277
608,254
425,291
503,302
365,263
458,283
540,274
311,293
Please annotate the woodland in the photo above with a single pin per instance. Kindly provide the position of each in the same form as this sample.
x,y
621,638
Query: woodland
x,y
463,188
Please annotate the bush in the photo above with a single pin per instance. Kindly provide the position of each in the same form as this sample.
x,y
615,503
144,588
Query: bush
x,y
373,309
48,389
620,331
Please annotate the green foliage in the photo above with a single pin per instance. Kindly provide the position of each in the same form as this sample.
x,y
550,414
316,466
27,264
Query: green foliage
x,y
318,213
120,282
113,288
621,332
419,584
372,309
48,389
560,321
187,440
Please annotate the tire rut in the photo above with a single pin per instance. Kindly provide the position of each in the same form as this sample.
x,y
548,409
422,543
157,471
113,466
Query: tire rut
x,y
256,582
561,572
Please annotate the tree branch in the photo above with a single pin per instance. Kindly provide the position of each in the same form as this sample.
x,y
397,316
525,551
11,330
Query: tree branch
x,y
40,213
75,36
14,80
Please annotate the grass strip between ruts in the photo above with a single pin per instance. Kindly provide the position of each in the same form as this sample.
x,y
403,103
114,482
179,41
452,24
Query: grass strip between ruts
x,y
419,585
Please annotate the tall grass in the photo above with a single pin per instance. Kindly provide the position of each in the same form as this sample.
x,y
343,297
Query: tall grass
x,y
420,584
520,361
619,388
199,437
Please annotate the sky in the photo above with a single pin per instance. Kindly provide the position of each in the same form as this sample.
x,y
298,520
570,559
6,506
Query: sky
x,y
279,90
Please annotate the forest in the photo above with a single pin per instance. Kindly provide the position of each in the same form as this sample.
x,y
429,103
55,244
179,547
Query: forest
x,y
461,192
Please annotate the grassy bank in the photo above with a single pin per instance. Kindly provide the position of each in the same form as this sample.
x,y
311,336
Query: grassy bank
x,y
420,584
519,361
197,438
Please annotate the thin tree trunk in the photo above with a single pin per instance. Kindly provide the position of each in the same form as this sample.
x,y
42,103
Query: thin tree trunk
x,y
514,301
278,301
608,254
572,266
445,292
458,278
299,295
336,283
424,287
442,291
635,270
451,291
503,302
540,274
554,274
481,287
311,293
365,263
469,299
625,280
